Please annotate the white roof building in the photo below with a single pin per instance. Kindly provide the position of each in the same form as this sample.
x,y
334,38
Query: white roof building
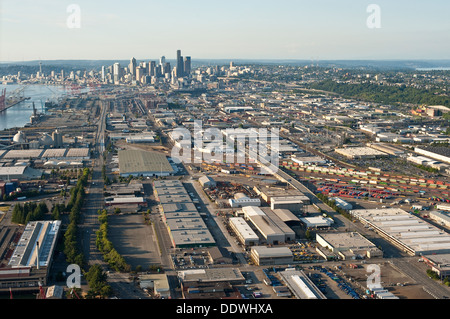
x,y
405,230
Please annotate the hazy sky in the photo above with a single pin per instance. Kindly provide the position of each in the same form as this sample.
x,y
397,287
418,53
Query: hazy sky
x,y
215,29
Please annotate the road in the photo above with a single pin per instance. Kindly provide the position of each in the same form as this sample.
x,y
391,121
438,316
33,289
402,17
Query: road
x,y
122,286
215,224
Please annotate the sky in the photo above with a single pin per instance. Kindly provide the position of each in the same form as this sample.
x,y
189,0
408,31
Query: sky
x,y
218,29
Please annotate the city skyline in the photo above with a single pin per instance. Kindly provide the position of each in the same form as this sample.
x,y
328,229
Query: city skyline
x,y
298,30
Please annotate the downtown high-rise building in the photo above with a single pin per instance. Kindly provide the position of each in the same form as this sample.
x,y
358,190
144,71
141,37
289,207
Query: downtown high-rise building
x,y
117,72
152,68
103,73
180,65
132,67
187,66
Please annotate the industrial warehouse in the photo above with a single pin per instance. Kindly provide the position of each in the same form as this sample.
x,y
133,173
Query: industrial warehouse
x,y
268,224
143,163
348,246
29,265
407,231
184,223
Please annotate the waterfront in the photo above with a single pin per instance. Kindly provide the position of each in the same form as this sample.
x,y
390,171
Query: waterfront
x,y
19,114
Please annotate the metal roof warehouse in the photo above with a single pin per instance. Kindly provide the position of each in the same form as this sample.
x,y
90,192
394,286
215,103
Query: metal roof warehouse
x,y
407,231
143,163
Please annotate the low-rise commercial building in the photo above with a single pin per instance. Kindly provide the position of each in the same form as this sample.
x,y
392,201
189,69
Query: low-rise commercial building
x,y
243,231
263,255
349,245
241,200
300,285
269,226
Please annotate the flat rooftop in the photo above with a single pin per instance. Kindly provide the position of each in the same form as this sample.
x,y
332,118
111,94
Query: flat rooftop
x,y
211,275
347,240
360,152
25,253
406,229
136,161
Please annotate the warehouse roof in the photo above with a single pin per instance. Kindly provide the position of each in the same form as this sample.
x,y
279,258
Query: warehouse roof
x,y
211,275
406,229
44,232
136,161
78,152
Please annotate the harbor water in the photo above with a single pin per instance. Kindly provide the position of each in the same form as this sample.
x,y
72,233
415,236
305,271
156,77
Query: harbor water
x,y
19,114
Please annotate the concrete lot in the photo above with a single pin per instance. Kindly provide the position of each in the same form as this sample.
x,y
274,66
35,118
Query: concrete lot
x,y
134,240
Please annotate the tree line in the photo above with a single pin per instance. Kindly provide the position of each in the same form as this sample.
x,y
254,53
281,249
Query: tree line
x,y
23,214
71,246
332,203
110,254
384,93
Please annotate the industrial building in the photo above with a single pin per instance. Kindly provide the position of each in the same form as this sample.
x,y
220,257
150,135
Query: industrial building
x,y
156,283
268,224
210,275
406,231
125,201
19,173
342,203
349,245
212,283
308,160
300,285
244,233
292,203
241,200
438,153
186,226
386,148
31,260
207,182
360,152
287,217
439,263
316,222
268,193
143,163
442,217
263,255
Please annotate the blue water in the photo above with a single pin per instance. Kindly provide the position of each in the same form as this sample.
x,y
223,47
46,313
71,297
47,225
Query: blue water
x,y
19,114
434,69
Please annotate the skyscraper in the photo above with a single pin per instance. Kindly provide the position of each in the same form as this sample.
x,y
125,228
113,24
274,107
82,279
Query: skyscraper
x,y
103,73
132,66
117,71
180,66
187,65
139,73
152,68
